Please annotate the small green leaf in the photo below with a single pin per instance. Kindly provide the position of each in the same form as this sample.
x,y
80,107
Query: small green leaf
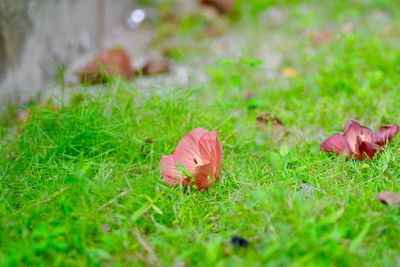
x,y
235,80
359,238
254,63
228,62
275,160
157,209
253,103
97,254
284,151
365,166
139,212
333,217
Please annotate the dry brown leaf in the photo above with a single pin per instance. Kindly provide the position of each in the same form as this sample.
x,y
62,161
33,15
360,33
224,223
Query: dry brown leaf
x,y
265,119
113,62
271,126
322,38
319,38
222,6
144,147
155,67
148,140
389,198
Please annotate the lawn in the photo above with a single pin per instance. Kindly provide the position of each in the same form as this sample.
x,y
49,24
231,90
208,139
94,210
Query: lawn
x,y
80,182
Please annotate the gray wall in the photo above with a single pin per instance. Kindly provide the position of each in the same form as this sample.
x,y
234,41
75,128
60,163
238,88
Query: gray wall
x,y
38,35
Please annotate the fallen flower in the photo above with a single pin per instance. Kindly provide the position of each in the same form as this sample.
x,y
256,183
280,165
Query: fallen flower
x,y
386,134
360,142
389,198
196,160
108,63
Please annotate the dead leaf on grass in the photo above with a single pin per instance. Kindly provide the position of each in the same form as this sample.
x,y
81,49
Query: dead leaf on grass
x,y
222,6
153,67
265,119
322,37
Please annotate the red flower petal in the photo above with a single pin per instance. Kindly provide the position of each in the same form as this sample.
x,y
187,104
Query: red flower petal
x,y
354,130
204,176
211,152
386,134
337,144
367,149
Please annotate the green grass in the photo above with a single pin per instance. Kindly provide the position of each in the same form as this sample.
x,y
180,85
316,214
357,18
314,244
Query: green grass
x,y
80,186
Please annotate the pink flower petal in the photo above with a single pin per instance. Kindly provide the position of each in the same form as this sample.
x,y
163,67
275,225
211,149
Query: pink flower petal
x,y
354,130
200,153
211,152
386,134
367,149
187,151
336,144
204,176
168,169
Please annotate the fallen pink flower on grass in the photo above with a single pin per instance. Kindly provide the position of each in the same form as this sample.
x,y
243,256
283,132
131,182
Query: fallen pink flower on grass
x,y
196,160
389,198
360,142
114,62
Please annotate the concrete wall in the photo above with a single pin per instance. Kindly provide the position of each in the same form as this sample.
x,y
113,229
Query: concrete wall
x,y
38,35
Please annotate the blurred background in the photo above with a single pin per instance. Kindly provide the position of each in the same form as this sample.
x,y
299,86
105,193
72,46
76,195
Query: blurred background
x,y
37,37
41,40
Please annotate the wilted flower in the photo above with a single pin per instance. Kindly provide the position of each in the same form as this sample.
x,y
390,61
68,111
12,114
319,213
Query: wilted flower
x,y
360,142
114,62
196,160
